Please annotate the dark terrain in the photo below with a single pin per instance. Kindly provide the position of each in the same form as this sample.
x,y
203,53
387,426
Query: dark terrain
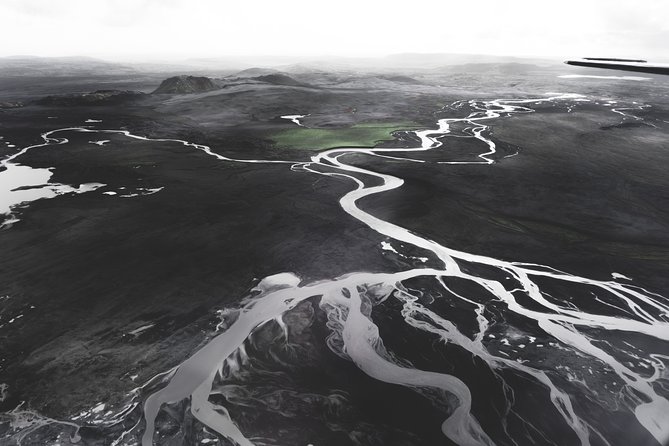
x,y
586,193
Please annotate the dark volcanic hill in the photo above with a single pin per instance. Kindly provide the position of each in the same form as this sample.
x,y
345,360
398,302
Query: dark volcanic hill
x,y
185,85
280,79
255,71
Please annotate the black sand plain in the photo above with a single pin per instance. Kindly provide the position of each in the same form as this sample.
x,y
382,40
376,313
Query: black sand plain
x,y
587,193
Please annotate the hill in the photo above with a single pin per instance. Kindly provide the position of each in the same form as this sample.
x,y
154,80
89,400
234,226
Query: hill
x,y
185,85
279,79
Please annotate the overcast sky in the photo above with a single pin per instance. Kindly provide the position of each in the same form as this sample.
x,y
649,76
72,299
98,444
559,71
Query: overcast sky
x,y
181,29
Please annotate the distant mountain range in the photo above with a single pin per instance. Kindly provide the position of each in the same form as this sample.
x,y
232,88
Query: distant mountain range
x,y
60,66
250,67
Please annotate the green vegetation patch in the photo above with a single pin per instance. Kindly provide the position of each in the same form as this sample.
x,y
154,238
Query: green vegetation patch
x,y
359,135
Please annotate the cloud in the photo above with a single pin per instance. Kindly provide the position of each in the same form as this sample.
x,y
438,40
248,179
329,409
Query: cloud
x,y
34,8
209,28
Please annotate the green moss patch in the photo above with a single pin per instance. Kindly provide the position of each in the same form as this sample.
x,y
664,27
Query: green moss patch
x,y
358,135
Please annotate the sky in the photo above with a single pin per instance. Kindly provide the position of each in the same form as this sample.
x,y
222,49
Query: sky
x,y
175,30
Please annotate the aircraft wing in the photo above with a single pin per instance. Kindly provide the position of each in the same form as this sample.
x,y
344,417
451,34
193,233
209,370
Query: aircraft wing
x,y
638,65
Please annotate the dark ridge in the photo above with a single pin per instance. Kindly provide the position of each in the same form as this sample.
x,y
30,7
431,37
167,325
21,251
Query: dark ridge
x,y
605,59
402,79
280,79
185,85
99,97
624,125
653,69
255,71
